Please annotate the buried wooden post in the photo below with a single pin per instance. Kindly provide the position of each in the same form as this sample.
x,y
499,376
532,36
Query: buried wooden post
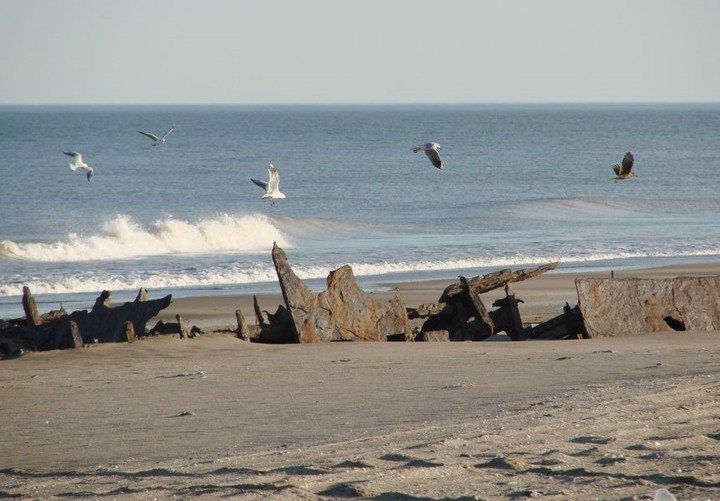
x,y
130,335
514,324
142,295
181,328
31,311
74,339
242,331
486,328
259,319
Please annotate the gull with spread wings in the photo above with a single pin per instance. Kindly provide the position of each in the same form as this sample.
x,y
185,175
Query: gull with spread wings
x,y
272,187
157,140
78,164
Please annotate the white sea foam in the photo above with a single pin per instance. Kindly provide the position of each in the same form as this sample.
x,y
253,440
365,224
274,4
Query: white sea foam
x,y
263,272
123,238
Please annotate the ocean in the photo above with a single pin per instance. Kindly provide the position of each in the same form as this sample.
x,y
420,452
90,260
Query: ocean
x,y
522,185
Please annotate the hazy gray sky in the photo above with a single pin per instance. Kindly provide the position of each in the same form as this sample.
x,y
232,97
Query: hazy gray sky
x,y
369,51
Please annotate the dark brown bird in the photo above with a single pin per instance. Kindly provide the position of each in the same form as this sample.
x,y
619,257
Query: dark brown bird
x,y
624,171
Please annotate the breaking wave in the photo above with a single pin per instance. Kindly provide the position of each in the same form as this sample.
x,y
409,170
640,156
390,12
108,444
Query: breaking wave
x,y
124,238
229,276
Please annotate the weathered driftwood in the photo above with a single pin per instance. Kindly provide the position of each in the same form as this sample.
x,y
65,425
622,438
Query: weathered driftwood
x,y
161,327
30,307
470,321
181,325
426,310
74,339
277,328
242,331
259,318
491,281
479,285
460,314
567,325
618,306
130,335
507,317
102,324
343,312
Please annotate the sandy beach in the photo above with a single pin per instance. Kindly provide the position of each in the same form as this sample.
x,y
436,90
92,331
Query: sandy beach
x,y
214,416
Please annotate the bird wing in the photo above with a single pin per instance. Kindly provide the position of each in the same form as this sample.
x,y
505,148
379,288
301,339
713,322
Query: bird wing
x,y
627,163
89,173
150,135
274,178
261,184
74,154
434,157
169,131
616,169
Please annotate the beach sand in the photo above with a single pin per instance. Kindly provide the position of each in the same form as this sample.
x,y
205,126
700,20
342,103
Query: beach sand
x,y
215,416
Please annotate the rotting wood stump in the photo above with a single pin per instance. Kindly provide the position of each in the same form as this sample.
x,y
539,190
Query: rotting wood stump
x,y
104,323
460,315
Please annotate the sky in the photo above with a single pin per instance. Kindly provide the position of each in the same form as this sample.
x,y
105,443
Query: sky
x,y
369,51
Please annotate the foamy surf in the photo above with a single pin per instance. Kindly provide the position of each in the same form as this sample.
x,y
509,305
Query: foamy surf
x,y
124,238
261,271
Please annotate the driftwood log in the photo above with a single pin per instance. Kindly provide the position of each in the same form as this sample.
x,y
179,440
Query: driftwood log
x,y
568,325
495,280
104,323
480,285
460,314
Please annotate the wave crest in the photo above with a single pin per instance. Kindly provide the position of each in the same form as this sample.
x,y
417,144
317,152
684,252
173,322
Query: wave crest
x,y
123,238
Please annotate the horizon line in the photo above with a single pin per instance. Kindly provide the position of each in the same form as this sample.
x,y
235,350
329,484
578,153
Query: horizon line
x,y
361,104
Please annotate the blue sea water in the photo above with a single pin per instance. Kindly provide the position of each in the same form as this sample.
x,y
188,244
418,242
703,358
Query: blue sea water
x,y
522,185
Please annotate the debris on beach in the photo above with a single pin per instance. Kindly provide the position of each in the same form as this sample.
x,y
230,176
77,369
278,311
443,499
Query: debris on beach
x,y
615,306
460,314
55,330
344,312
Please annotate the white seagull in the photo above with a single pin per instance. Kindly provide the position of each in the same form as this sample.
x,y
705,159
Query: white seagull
x,y
432,150
155,139
79,164
272,187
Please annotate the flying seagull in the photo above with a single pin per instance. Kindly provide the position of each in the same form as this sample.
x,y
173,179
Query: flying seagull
x,y
79,164
155,139
272,187
432,150
624,171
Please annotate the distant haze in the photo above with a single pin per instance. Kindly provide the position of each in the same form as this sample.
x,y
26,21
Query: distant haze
x,y
370,51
